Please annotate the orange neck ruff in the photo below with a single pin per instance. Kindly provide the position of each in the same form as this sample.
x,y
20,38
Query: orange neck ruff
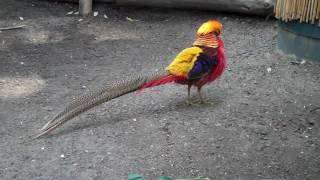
x,y
208,40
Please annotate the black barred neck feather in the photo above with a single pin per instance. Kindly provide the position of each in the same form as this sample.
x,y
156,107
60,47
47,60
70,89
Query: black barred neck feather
x,y
208,40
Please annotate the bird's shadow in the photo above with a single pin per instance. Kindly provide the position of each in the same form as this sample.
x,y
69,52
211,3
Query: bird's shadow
x,y
173,105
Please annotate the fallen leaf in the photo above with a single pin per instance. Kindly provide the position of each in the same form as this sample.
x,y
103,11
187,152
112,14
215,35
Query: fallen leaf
x,y
130,19
69,13
21,18
95,13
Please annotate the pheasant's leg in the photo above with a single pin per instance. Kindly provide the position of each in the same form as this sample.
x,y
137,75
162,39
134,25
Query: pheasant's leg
x,y
201,98
189,98
202,101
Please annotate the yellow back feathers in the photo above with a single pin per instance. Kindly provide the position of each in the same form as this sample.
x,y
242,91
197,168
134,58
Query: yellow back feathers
x,y
184,62
212,26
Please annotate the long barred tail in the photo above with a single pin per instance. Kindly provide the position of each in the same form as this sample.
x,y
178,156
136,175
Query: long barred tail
x,y
111,91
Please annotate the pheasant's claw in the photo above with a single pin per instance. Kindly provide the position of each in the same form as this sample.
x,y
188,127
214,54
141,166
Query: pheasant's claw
x,y
196,102
188,102
191,103
205,101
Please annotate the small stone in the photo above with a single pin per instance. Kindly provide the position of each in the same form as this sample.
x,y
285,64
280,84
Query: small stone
x,y
105,16
269,69
22,63
21,18
134,119
62,155
303,61
218,124
95,13
80,20
42,148
221,138
262,130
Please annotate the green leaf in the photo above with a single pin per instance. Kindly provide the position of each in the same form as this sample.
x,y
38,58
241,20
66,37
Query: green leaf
x,y
164,178
135,176
194,179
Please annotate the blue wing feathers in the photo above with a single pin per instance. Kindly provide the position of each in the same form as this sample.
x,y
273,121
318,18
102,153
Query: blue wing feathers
x,y
203,65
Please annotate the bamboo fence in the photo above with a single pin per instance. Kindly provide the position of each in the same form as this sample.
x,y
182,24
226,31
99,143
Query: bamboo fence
x,y
303,10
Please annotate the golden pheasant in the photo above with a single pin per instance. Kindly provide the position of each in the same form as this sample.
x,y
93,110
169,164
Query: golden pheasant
x,y
194,66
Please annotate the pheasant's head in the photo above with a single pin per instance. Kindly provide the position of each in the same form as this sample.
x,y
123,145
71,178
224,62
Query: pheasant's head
x,y
212,26
208,34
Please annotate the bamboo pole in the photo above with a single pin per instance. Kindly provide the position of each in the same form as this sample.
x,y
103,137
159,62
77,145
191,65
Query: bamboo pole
x,y
304,10
13,27
300,9
294,11
276,9
285,10
85,7
314,8
308,10
318,11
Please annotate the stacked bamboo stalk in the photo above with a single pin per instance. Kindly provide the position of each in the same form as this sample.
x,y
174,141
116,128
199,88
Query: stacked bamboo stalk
x,y
303,10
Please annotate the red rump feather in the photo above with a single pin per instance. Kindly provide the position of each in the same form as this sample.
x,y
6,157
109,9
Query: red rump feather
x,y
163,80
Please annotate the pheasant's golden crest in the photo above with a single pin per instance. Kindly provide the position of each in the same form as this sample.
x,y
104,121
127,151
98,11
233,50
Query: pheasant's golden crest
x,y
212,26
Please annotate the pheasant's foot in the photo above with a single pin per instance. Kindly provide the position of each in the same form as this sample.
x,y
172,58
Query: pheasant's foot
x,y
191,103
204,101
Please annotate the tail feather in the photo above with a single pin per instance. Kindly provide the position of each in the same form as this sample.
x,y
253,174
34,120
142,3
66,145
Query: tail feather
x,y
80,109
82,100
94,98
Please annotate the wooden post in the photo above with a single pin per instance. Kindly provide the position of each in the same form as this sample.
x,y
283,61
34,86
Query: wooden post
x,y
85,7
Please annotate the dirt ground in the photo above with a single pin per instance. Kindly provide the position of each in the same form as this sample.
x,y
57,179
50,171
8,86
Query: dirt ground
x,y
263,124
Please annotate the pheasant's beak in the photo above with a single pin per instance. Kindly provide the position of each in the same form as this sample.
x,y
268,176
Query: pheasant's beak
x,y
218,33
